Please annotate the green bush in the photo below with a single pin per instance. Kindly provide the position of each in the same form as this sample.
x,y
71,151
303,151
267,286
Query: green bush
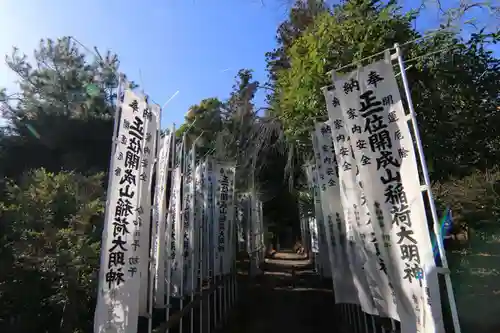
x,y
51,228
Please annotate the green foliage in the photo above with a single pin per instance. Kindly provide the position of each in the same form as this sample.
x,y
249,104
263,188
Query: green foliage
x,y
203,122
232,130
353,31
51,227
301,16
456,121
52,115
51,220
474,200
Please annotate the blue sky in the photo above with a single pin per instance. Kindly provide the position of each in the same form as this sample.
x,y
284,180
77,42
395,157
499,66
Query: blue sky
x,y
191,46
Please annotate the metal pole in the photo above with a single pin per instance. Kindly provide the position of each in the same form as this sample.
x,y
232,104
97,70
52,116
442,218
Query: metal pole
x,y
358,319
362,319
353,318
351,315
221,290
374,325
226,295
435,218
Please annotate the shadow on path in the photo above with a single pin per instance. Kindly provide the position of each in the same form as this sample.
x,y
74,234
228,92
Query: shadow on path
x,y
284,301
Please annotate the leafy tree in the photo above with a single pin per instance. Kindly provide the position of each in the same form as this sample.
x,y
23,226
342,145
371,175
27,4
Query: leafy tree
x,y
51,221
232,130
355,30
301,16
456,122
203,123
64,106
49,249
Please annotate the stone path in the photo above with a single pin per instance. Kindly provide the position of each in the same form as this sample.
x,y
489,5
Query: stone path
x,y
282,301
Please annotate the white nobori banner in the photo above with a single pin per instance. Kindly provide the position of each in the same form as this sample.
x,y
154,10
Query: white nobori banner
x,y
207,221
152,114
159,219
199,213
223,216
188,226
117,307
355,207
312,221
174,230
323,254
376,122
353,198
347,275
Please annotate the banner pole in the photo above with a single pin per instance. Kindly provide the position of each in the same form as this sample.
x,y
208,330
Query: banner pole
x,y
350,315
393,325
435,218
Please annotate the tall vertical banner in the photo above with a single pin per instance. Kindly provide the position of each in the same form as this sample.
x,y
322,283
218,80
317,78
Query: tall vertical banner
x,y
304,220
223,216
207,189
260,210
142,238
348,278
256,226
159,219
117,307
249,228
312,222
199,213
323,240
353,198
240,222
188,229
323,256
376,122
210,223
174,229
